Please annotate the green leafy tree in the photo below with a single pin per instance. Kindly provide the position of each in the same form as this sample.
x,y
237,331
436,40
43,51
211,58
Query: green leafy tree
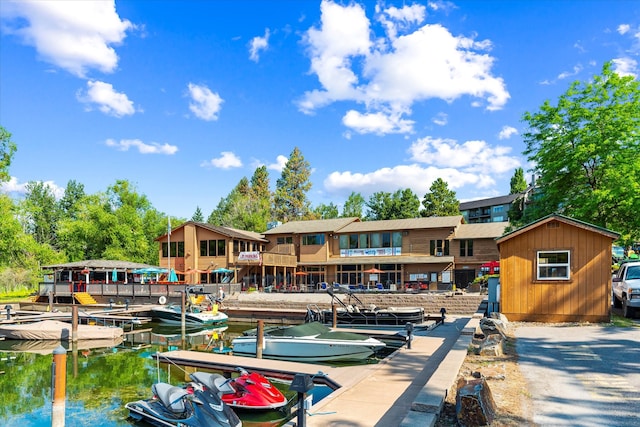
x,y
399,205
518,183
73,194
118,224
353,206
440,201
197,215
586,151
323,211
41,213
7,149
290,202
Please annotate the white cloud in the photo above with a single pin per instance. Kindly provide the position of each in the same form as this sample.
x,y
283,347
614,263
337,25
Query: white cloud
x,y
204,104
279,165
413,176
471,156
440,119
258,44
143,148
227,160
625,66
379,123
73,35
14,186
107,99
507,132
390,74
623,28
567,74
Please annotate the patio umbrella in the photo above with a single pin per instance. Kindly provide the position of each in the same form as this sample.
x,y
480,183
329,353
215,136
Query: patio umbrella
x,y
114,275
173,277
222,270
300,273
373,270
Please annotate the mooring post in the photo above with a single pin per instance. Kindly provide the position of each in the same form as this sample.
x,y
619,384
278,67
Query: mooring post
x,y
8,308
259,338
302,383
59,385
74,323
183,317
334,311
409,328
50,301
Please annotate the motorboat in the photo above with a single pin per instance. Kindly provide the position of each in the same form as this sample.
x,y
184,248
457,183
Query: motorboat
x,y
193,405
57,330
355,312
308,342
249,390
201,308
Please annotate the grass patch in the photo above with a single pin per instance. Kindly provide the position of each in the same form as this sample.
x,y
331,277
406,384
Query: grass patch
x,y
622,322
15,296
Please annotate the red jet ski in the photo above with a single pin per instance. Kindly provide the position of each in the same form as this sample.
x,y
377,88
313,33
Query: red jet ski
x,y
247,391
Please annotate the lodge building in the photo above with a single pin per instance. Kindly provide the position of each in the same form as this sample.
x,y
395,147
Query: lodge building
x,y
424,253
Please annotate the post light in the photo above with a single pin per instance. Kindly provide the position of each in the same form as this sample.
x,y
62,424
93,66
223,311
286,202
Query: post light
x,y
126,304
442,312
8,308
409,328
301,384
110,303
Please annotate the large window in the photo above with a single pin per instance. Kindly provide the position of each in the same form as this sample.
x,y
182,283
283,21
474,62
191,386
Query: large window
x,y
313,239
283,240
466,247
177,249
439,247
212,247
371,240
553,265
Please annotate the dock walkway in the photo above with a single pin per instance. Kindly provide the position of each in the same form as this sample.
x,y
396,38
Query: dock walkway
x,y
406,389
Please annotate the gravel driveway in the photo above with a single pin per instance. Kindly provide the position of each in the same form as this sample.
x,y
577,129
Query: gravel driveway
x,y
582,375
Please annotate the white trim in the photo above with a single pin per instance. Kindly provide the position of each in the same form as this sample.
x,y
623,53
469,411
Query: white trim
x,y
566,265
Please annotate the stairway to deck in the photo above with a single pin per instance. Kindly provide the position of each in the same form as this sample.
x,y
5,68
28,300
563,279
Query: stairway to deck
x,y
84,298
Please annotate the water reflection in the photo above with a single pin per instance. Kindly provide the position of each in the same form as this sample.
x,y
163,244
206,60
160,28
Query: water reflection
x,y
103,376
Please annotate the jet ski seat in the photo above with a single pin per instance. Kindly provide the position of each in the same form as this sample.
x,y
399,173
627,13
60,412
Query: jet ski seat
x,y
213,382
171,396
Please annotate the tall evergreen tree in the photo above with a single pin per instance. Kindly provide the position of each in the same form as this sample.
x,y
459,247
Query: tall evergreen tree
x,y
73,194
197,215
290,202
518,183
440,201
41,213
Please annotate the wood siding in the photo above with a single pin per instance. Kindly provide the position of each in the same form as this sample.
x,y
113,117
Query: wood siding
x,y
586,296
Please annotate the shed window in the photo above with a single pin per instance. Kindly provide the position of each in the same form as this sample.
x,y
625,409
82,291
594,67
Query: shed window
x,y
553,265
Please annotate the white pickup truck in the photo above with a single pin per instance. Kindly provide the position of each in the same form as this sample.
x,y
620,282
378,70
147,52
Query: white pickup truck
x,y
626,288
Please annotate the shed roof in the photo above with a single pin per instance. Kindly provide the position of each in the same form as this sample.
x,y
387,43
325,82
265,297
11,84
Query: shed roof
x,y
565,219
312,226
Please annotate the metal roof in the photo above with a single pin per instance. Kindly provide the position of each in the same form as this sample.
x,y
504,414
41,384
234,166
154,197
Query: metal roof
x,y
493,201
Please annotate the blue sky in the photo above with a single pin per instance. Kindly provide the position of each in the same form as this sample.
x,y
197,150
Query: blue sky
x,y
184,98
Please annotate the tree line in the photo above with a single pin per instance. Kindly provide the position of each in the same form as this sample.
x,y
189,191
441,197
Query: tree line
x,y
584,151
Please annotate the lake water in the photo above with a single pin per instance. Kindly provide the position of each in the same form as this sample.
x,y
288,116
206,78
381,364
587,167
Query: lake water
x,y
100,380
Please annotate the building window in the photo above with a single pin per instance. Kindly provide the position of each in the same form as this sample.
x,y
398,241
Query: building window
x,y
498,218
498,209
222,247
283,240
466,247
177,249
439,247
313,239
203,248
553,265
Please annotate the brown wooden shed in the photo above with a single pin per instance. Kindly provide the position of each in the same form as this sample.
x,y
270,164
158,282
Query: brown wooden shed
x,y
556,269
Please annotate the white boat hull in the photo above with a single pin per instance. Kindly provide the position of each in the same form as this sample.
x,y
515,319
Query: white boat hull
x,y
172,315
303,349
